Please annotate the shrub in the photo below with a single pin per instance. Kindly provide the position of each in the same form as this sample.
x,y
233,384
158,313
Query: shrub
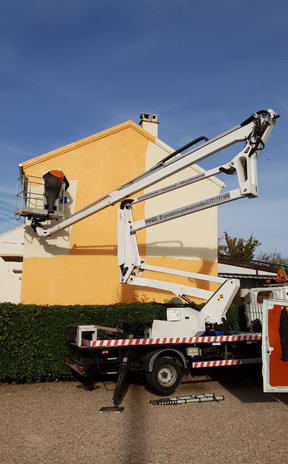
x,y
32,338
237,316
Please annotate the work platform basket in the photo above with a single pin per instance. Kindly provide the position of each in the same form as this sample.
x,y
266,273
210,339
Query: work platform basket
x,y
31,201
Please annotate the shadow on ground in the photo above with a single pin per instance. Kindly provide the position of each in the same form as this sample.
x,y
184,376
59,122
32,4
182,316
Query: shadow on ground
x,y
243,382
246,384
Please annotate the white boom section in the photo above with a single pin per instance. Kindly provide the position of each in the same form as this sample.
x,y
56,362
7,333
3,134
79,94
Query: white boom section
x,y
254,132
191,321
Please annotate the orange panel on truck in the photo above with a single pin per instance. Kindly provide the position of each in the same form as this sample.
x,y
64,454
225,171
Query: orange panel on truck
x,y
278,367
275,345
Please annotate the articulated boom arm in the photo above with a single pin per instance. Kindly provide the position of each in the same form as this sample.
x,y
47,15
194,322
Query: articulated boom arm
x,y
244,164
254,132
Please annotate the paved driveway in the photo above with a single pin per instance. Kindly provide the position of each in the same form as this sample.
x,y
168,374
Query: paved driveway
x,y
60,423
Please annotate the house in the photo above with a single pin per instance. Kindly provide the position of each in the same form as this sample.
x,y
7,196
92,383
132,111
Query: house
x,y
252,274
79,265
11,261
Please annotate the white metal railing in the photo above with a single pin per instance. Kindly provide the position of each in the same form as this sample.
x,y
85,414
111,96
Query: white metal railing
x,y
31,200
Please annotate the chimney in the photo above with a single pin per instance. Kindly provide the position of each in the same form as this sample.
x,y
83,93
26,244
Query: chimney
x,y
149,122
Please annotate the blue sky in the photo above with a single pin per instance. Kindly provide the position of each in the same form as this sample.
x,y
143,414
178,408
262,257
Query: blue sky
x,y
72,68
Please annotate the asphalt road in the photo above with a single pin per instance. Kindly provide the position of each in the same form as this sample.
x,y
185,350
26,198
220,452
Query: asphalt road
x,y
60,423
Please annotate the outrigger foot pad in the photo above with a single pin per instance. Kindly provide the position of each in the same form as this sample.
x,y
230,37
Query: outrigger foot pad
x,y
117,409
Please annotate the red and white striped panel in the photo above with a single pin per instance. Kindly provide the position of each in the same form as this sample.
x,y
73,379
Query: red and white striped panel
x,y
173,341
229,362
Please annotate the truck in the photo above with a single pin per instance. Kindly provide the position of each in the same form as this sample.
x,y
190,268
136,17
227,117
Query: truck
x,y
192,337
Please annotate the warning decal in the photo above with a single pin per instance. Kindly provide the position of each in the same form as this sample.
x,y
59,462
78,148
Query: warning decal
x,y
281,275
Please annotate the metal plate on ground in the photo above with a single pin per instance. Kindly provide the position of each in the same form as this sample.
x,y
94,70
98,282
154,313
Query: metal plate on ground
x,y
116,409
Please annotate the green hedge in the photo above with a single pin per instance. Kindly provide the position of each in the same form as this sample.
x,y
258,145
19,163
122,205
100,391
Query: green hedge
x,y
237,316
32,338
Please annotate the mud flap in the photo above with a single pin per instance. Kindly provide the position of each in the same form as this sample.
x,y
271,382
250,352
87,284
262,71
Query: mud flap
x,y
275,346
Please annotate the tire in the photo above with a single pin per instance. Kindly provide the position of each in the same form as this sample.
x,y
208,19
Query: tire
x,y
165,376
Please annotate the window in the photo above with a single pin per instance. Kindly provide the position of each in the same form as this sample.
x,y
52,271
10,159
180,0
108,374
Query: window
x,y
261,296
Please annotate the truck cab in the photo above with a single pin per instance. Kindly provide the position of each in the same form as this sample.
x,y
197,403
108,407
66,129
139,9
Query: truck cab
x,y
254,300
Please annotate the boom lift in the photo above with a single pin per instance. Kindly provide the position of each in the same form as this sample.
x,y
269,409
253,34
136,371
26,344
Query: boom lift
x,y
192,321
188,324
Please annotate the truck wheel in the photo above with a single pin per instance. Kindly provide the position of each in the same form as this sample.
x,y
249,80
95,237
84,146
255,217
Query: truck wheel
x,y
165,376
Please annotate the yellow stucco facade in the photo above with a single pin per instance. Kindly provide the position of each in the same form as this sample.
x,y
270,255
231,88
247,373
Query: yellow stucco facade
x,y
79,265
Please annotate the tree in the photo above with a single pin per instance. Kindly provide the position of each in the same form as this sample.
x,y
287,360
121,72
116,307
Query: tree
x,y
274,258
238,248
